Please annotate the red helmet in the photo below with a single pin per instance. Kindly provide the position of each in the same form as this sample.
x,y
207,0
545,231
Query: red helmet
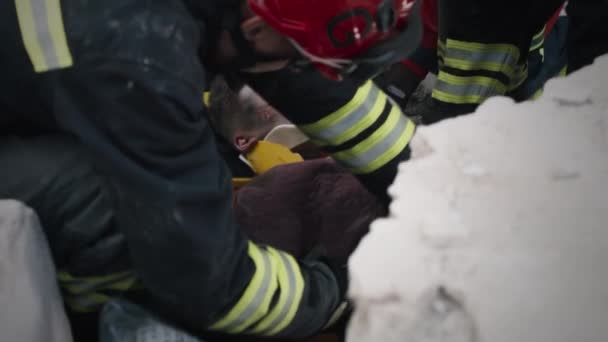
x,y
346,37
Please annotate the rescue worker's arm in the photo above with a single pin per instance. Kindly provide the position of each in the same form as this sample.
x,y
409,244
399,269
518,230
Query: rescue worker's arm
x,y
357,124
133,96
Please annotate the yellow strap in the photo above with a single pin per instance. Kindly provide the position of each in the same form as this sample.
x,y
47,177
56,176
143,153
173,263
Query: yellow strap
x,y
266,155
122,281
291,284
472,56
472,80
331,119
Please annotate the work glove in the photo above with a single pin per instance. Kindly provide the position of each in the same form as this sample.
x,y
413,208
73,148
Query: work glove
x,y
338,320
399,82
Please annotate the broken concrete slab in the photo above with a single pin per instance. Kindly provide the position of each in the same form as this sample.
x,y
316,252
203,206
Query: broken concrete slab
x,y
499,230
30,302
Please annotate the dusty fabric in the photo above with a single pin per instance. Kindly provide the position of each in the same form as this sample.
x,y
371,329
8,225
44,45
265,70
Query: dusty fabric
x,y
293,207
32,308
298,206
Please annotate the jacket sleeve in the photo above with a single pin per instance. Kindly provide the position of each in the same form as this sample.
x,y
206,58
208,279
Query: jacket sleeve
x,y
359,125
138,107
487,59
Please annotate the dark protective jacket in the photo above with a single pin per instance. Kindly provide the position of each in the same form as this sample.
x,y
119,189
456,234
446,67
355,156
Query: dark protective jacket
x,y
125,78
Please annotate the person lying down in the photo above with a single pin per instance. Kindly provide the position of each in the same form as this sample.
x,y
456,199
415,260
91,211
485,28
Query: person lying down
x,y
308,202
287,195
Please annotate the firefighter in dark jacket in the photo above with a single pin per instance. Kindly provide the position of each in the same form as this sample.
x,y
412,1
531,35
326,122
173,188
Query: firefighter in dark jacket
x,y
118,84
123,79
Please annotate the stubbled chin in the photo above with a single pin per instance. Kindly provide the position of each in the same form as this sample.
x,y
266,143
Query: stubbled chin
x,y
267,66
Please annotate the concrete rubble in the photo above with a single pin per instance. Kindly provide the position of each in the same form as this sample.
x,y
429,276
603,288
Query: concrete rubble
x,y
499,227
30,302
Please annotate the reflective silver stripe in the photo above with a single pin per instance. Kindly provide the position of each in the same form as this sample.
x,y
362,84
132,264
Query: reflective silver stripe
x,y
479,90
471,56
43,34
538,40
291,279
41,23
519,76
396,123
332,133
478,57
237,324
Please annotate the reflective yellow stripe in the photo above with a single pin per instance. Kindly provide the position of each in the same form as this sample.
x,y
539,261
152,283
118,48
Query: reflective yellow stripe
x,y
477,56
330,120
292,288
207,98
43,34
338,313
506,49
352,123
538,40
29,35
540,91
275,271
381,146
466,84
255,301
404,139
468,80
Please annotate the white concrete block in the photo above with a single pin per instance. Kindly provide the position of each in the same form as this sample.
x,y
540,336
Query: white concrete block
x,y
499,231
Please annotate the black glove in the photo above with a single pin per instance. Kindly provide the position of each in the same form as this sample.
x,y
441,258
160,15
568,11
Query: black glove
x,y
399,83
339,319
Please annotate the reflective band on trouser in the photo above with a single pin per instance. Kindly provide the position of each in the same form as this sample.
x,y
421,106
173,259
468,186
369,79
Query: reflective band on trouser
x,y
255,312
538,40
381,146
520,75
540,91
43,34
351,119
291,283
466,89
85,294
476,56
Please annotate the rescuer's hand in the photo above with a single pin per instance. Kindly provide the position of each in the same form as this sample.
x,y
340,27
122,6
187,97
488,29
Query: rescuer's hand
x,y
339,269
399,82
